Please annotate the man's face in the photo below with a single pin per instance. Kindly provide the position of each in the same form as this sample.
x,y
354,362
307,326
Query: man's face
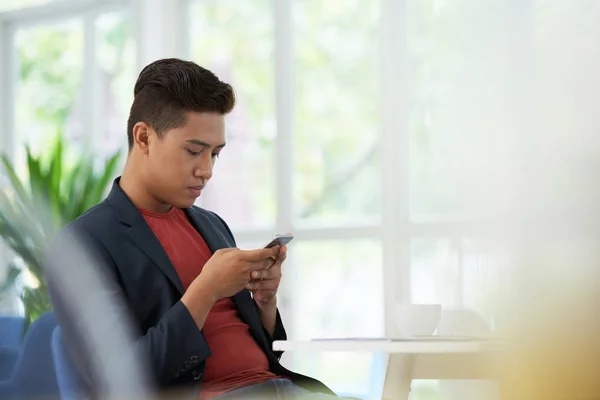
x,y
180,163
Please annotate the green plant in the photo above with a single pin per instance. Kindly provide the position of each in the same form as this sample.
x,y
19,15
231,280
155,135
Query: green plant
x,y
32,210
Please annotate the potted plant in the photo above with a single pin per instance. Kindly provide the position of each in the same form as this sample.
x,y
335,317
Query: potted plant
x,y
33,209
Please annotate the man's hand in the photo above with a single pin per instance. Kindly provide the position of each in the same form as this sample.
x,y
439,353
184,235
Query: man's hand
x,y
264,285
225,274
265,282
228,270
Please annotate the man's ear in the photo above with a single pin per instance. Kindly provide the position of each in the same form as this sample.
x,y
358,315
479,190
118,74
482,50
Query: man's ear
x,y
141,136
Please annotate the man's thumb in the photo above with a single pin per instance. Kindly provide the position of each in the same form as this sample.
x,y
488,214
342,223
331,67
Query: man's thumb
x,y
260,254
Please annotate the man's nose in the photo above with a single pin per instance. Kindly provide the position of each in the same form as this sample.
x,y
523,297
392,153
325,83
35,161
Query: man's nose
x,y
204,169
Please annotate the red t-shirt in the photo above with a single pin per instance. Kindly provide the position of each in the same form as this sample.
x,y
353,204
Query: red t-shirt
x,y
236,360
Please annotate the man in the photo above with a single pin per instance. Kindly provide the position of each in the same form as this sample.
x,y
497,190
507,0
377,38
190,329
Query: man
x,y
205,312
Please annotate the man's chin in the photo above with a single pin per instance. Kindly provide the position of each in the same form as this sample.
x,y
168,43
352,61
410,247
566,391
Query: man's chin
x,y
184,203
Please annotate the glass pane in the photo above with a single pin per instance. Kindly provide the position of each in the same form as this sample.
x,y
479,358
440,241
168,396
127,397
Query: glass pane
x,y
241,53
50,68
115,76
461,115
336,122
460,273
335,290
434,272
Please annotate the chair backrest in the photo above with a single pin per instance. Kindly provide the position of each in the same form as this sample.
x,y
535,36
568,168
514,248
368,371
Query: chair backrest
x,y
67,376
8,360
11,330
34,375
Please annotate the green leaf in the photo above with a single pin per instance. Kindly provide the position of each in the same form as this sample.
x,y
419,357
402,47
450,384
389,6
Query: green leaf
x,y
34,167
66,192
54,177
15,181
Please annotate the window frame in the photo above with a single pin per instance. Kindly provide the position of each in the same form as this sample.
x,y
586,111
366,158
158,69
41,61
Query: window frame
x,y
54,12
395,228
50,13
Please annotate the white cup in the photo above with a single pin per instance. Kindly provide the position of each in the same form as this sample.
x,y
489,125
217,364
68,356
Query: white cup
x,y
417,319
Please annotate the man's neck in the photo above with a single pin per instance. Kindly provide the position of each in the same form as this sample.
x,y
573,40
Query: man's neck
x,y
132,184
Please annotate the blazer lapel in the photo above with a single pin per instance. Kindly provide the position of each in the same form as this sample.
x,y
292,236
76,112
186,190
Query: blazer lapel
x,y
212,235
140,234
143,237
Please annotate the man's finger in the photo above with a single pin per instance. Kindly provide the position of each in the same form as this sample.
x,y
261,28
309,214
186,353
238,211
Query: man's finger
x,y
281,257
265,296
259,254
261,285
260,265
265,274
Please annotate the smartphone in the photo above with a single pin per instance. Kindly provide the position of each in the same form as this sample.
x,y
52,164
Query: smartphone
x,y
279,240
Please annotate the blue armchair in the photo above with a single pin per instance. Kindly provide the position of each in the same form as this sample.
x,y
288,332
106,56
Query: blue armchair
x,y
8,359
11,330
11,335
34,376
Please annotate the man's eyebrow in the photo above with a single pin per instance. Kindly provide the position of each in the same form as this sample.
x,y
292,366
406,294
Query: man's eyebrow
x,y
204,144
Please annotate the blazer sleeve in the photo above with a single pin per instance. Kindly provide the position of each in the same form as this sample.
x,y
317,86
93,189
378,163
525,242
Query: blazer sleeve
x,y
279,333
172,348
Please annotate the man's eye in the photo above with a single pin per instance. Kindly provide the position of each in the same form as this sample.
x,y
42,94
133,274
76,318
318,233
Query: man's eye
x,y
215,155
194,153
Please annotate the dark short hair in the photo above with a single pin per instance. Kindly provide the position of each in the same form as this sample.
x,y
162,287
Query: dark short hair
x,y
169,88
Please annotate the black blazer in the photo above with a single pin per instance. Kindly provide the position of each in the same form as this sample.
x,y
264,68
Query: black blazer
x,y
139,268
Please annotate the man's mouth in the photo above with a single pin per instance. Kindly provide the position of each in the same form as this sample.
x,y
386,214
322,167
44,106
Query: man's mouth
x,y
196,190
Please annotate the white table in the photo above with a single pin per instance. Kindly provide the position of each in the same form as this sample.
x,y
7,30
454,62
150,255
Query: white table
x,y
415,359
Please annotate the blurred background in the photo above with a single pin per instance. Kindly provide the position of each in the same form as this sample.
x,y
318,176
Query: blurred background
x,y
390,136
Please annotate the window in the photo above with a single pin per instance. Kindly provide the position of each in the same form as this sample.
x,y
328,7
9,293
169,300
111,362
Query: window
x,y
461,272
332,54
374,130
336,112
241,54
465,62
59,90
333,135
66,67
50,73
457,62
71,75
115,75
